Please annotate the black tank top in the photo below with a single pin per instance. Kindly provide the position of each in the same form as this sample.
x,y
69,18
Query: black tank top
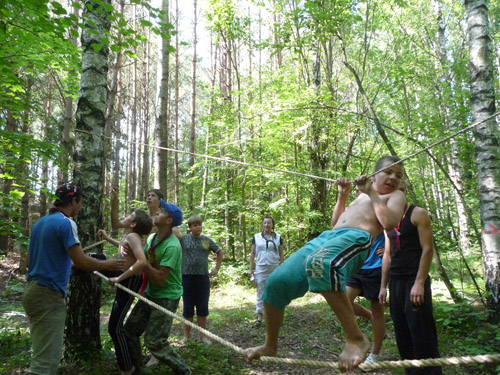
x,y
405,260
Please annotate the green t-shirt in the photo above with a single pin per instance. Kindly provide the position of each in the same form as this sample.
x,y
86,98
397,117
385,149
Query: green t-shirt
x,y
167,254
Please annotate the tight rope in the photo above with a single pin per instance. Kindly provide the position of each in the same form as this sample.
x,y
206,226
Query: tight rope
x,y
487,358
85,249
437,143
175,316
231,161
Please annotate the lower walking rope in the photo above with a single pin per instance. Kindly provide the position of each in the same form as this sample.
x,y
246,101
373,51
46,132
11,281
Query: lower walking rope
x,y
467,360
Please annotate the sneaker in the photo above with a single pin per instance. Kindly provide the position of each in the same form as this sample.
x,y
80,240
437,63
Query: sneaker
x,y
129,372
152,361
259,317
372,358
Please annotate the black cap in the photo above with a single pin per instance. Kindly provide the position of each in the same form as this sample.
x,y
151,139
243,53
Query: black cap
x,y
69,190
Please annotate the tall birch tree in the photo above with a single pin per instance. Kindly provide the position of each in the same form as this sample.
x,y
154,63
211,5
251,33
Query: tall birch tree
x,y
161,131
82,337
487,145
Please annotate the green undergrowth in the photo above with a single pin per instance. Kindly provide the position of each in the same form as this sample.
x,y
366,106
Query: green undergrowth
x,y
310,331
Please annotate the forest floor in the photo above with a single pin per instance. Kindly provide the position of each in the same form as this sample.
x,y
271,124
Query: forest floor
x,y
310,331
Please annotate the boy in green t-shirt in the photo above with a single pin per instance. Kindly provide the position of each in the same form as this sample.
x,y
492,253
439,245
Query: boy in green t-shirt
x,y
164,253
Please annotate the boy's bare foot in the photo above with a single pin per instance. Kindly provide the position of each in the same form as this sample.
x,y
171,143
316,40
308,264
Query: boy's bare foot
x,y
259,351
353,355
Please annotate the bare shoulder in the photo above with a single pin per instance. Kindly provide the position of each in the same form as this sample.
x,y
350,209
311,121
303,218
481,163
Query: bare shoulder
x,y
134,240
397,195
419,216
133,236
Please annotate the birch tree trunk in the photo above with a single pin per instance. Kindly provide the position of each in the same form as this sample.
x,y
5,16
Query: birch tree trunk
x,y
161,134
82,339
176,110
486,145
132,163
146,169
454,164
192,129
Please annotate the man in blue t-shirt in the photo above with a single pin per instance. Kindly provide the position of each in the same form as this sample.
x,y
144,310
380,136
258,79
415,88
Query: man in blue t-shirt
x,y
54,244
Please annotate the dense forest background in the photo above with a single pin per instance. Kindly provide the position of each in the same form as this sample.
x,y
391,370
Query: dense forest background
x,y
192,98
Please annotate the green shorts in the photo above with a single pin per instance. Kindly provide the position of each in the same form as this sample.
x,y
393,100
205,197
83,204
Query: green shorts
x,y
324,263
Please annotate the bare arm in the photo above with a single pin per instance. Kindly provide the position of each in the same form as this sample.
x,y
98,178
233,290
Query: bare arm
x,y
218,262
252,260
115,220
282,257
135,247
102,233
86,263
177,232
388,210
344,189
386,266
157,276
421,220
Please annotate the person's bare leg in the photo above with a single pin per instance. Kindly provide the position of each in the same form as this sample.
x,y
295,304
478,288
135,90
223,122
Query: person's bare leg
x,y
187,329
359,310
274,319
202,322
378,326
357,345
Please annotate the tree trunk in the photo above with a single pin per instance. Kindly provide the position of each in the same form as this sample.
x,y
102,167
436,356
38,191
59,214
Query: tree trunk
x,y
146,169
177,103
318,146
63,174
132,161
82,339
161,134
192,129
451,124
486,145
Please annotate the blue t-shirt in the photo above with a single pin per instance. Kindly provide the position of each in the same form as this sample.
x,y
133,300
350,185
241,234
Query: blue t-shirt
x,y
373,260
48,259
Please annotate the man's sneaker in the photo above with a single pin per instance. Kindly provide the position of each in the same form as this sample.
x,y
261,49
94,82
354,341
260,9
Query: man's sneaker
x,y
372,358
259,317
152,361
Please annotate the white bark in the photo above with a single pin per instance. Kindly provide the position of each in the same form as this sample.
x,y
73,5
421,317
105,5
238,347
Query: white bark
x,y
486,143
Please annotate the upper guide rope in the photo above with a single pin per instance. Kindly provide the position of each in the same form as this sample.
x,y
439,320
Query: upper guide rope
x,y
237,162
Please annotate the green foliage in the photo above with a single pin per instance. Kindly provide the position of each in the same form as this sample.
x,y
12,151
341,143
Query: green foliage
x,y
33,41
466,329
233,272
17,152
309,331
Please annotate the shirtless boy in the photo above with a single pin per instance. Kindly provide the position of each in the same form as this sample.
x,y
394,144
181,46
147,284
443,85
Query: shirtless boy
x,y
324,264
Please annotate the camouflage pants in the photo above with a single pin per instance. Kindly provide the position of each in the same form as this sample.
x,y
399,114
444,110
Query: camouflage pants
x,y
156,326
